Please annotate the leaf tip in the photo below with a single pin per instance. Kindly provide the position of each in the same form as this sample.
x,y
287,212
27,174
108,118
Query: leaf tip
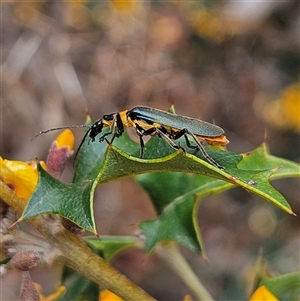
x,y
266,136
276,168
205,258
16,222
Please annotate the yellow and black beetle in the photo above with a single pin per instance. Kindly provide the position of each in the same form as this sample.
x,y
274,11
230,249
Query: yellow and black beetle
x,y
149,121
154,122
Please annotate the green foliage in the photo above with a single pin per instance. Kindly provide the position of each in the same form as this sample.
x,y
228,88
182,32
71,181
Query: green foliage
x,y
174,181
286,287
109,246
79,288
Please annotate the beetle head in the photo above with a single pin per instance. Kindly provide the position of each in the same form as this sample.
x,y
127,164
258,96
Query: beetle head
x,y
95,129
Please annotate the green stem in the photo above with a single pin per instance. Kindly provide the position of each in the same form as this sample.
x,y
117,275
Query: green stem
x,y
74,253
171,255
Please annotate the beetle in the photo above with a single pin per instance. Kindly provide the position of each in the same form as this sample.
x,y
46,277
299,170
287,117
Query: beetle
x,y
155,122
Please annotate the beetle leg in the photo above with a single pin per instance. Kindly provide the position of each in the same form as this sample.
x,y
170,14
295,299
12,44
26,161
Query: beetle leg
x,y
199,146
161,134
184,133
81,143
116,128
102,138
188,143
118,124
142,132
142,146
203,151
111,130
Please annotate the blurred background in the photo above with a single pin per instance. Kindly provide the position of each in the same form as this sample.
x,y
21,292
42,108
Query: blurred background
x,y
233,63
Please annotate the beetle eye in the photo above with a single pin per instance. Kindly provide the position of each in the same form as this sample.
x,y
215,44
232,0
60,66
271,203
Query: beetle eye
x,y
108,117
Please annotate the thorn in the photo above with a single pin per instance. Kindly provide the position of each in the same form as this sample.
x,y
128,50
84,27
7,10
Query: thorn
x,y
205,258
233,178
247,154
266,136
13,224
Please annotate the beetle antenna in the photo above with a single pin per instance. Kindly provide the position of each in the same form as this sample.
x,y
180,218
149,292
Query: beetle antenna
x,y
81,143
60,128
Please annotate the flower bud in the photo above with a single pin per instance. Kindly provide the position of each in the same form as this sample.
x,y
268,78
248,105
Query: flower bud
x,y
59,153
28,290
72,227
25,260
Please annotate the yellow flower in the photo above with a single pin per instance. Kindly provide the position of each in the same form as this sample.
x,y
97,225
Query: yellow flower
x,y
283,112
124,5
54,296
22,177
107,295
207,24
263,294
65,139
290,106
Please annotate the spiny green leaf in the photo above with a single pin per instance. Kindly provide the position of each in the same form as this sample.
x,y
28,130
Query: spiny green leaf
x,y
176,206
177,223
168,191
286,287
261,159
69,200
99,163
